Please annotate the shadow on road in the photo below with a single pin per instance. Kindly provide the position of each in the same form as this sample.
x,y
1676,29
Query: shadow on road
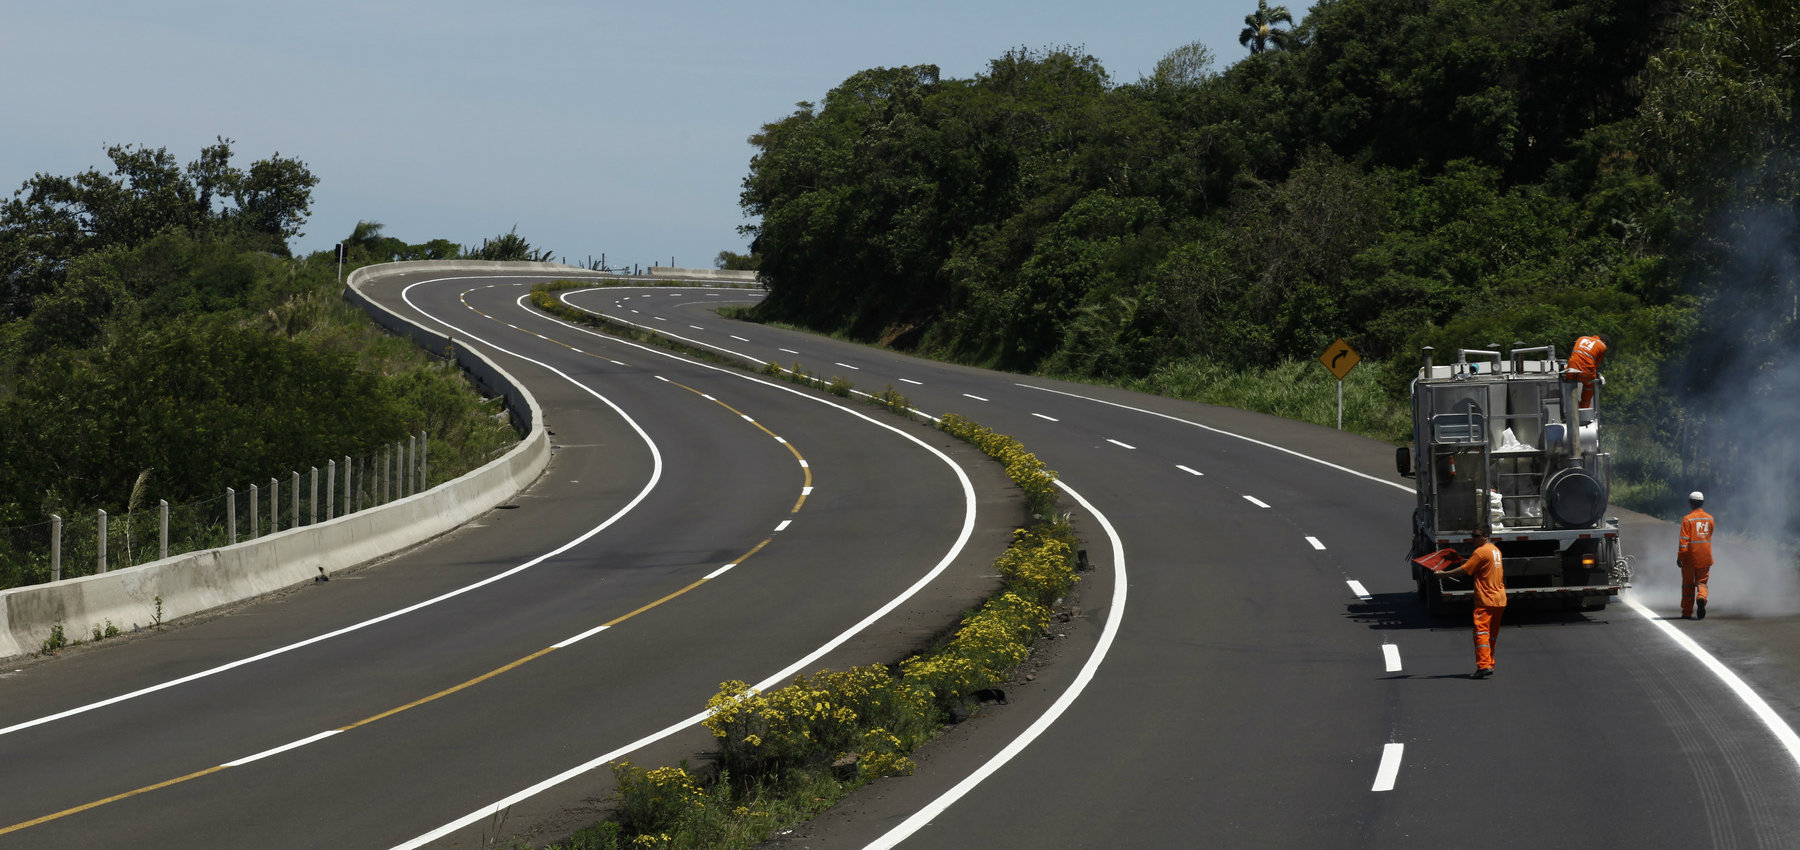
x,y
1407,611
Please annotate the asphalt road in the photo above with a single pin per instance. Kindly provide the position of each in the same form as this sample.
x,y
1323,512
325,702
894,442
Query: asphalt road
x,y
1248,667
1270,679
335,722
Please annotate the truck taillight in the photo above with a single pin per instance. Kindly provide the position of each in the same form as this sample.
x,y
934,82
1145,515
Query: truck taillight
x,y
1587,561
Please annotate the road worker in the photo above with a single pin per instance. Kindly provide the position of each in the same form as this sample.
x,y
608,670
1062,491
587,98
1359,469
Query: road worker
x,y
1584,365
1693,553
1490,597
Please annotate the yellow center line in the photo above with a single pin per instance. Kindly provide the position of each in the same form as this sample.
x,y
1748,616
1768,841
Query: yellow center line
x,y
478,679
113,799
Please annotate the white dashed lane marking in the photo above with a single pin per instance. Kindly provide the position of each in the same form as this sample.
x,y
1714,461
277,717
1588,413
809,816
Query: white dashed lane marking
x,y
1390,767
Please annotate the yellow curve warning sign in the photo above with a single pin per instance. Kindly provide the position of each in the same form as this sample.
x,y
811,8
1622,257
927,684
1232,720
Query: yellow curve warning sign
x,y
1340,358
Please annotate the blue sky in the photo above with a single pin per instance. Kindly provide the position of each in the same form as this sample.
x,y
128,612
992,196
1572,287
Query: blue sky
x,y
593,127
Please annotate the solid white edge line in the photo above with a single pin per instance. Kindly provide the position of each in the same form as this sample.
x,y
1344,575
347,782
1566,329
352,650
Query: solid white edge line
x,y
1357,588
936,807
1390,767
583,636
1757,705
1391,654
1315,543
780,676
283,748
655,477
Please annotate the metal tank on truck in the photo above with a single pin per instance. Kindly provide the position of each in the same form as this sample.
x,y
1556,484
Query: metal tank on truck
x,y
1499,441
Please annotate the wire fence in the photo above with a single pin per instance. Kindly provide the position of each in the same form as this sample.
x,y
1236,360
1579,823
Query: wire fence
x,y
63,547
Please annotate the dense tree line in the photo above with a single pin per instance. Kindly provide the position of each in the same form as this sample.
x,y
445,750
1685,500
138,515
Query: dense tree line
x,y
158,340
1398,173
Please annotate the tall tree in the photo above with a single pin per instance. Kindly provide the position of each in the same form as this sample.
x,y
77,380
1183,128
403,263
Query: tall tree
x,y
1259,28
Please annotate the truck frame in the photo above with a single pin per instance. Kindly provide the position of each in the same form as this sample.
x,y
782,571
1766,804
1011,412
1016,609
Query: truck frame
x,y
1499,441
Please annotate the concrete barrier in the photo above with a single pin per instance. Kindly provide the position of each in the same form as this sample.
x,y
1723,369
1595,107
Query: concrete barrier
x,y
719,275
199,581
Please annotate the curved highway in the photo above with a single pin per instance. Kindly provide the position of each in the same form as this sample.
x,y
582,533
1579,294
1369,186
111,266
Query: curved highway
x,y
695,525
1262,677
1271,680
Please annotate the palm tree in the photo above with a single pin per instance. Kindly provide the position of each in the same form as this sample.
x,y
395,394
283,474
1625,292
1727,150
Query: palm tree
x,y
1259,28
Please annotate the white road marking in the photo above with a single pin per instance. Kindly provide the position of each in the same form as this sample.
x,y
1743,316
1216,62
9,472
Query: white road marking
x,y
1255,501
1776,726
696,327
924,816
783,525
1121,445
1048,418
1189,470
1391,653
1390,767
739,338
720,571
913,382
975,397
282,749
1357,588
784,350
848,366
1315,543
581,637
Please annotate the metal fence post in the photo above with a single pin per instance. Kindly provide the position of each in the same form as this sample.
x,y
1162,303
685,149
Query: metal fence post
x,y
387,477
347,504
274,505
313,498
101,556
330,489
162,539
296,487
230,517
55,547
412,455
424,452
255,511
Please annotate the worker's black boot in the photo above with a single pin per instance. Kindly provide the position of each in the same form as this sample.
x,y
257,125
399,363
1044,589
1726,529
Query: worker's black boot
x,y
1699,609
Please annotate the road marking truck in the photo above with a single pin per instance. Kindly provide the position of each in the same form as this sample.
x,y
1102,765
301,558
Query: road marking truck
x,y
1498,440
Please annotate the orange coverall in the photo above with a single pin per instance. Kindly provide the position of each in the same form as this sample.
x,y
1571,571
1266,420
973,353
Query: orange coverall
x,y
1584,366
1694,554
1490,600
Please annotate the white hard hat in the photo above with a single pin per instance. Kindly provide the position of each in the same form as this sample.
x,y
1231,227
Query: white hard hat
x,y
1696,496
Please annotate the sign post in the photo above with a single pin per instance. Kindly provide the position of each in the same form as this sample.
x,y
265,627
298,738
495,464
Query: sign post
x,y
1339,359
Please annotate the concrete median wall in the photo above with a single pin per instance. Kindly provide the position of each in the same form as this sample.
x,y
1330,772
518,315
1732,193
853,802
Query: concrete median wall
x,y
717,275
199,581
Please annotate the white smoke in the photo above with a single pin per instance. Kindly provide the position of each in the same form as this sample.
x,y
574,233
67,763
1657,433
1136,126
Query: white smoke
x,y
1750,448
